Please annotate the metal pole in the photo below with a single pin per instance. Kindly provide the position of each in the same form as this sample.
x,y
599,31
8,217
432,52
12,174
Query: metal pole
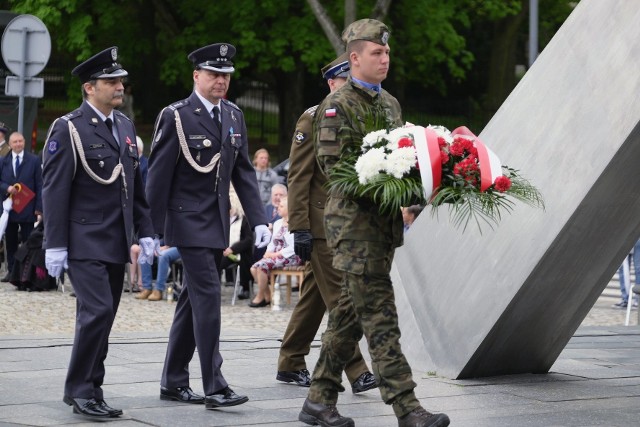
x,y
533,31
22,77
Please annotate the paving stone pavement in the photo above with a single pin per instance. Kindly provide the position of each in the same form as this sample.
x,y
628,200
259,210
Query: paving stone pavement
x,y
594,382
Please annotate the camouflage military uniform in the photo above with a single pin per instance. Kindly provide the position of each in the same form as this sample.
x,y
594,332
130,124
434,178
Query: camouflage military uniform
x,y
321,286
363,243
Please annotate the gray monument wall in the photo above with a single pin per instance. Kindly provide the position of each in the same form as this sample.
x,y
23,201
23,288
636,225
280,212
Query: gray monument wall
x,y
508,300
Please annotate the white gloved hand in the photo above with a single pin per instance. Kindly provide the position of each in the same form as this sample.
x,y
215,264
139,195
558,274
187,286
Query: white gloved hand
x,y
55,259
7,204
148,248
263,236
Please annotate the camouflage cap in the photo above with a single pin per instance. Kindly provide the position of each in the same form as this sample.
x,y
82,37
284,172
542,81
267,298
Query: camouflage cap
x,y
366,29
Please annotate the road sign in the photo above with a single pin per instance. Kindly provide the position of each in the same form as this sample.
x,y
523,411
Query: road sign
x,y
33,87
26,45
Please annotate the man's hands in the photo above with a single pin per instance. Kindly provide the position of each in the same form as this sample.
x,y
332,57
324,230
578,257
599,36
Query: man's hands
x,y
55,259
263,235
148,248
303,244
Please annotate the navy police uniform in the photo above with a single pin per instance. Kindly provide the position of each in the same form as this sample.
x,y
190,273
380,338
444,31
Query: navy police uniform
x,y
94,220
191,166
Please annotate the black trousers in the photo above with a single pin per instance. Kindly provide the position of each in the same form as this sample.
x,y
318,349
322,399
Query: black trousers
x,y
16,233
196,322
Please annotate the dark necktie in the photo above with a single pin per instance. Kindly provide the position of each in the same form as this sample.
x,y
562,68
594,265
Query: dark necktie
x,y
17,165
216,117
109,124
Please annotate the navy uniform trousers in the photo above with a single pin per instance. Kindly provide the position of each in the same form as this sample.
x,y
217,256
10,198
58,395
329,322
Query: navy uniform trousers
x,y
98,285
201,284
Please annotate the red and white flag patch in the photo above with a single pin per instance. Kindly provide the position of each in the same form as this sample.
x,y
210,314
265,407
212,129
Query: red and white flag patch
x,y
330,112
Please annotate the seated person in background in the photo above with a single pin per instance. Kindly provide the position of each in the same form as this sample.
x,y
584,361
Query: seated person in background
x,y
271,211
166,257
241,248
135,273
279,254
278,191
409,214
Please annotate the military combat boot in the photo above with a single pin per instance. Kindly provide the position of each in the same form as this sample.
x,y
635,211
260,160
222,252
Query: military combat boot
x,y
420,417
323,415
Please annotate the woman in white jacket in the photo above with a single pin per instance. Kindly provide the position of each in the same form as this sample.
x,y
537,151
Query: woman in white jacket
x,y
279,254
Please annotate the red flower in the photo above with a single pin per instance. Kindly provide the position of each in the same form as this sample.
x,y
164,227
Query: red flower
x,y
502,183
442,142
405,142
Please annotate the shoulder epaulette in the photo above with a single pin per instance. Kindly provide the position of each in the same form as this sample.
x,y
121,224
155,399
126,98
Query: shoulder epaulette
x,y
231,104
311,110
179,104
121,114
72,115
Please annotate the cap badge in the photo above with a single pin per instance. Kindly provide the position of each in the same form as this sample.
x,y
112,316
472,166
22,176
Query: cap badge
x,y
114,54
223,50
385,37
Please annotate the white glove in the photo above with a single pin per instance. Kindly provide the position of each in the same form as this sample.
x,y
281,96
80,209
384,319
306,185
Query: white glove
x,y
7,204
263,236
55,259
148,248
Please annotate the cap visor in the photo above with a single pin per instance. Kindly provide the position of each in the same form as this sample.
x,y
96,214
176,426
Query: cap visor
x,y
117,73
226,70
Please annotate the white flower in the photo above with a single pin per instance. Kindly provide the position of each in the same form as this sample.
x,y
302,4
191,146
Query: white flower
x,y
373,138
370,164
396,135
400,161
443,132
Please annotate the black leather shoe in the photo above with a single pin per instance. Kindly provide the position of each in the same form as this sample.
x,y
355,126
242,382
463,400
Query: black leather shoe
x,y
113,412
262,303
181,394
243,295
223,398
90,408
324,415
420,417
300,377
364,382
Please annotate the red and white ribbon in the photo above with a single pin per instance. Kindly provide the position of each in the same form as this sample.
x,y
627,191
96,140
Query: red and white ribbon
x,y
429,158
490,165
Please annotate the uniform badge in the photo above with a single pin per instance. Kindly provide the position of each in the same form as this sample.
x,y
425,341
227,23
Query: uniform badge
x,y
300,136
223,50
233,117
94,120
197,110
158,135
114,54
53,146
385,37
206,143
330,112
101,163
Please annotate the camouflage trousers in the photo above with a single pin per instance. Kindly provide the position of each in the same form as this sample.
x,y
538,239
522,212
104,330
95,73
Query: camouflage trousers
x,y
366,306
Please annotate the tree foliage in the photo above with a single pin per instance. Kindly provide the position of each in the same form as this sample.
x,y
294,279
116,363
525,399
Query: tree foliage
x,y
435,44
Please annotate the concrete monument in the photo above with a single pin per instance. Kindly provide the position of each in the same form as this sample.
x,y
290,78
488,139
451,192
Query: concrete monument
x,y
507,301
